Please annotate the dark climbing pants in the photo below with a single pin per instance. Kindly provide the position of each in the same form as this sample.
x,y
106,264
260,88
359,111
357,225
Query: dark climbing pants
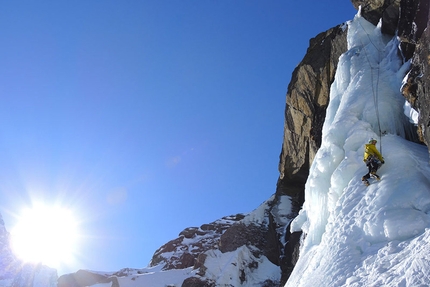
x,y
372,165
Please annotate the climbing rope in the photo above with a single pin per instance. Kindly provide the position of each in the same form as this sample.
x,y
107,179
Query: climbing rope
x,y
375,87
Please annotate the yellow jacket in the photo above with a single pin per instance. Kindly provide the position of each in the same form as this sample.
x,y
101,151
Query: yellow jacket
x,y
370,149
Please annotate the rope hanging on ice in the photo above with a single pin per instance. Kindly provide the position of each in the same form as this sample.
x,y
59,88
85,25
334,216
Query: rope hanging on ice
x,y
376,88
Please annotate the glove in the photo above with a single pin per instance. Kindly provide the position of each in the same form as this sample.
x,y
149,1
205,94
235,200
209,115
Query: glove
x,y
382,161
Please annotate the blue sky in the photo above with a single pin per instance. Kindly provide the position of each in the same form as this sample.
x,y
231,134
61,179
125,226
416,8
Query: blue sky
x,y
146,117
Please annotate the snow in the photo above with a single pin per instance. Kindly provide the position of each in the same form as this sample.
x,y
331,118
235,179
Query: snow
x,y
245,266
150,276
282,210
156,278
223,268
258,216
357,235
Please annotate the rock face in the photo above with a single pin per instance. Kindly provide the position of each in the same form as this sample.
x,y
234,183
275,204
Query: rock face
x,y
420,77
14,273
374,11
197,282
414,30
412,22
307,100
184,251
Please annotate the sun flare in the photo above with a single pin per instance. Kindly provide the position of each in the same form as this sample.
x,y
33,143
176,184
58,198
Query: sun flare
x,y
46,234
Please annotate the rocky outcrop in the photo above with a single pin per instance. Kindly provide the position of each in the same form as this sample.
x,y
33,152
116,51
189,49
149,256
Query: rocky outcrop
x,y
414,30
183,251
411,24
246,237
307,100
405,18
386,11
240,234
197,282
417,84
421,80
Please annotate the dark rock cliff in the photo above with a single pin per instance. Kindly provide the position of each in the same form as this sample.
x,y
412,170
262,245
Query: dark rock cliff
x,y
307,100
420,77
414,31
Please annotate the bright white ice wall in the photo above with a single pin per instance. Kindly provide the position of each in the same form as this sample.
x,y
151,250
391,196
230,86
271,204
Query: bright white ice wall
x,y
347,223
367,84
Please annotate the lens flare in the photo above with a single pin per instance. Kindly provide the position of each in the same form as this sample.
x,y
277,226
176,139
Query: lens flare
x,y
45,234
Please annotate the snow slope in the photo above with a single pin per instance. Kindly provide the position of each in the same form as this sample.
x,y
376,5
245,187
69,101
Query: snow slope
x,y
357,235
222,270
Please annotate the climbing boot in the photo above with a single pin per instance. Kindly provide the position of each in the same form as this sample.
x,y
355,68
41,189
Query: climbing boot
x,y
375,176
365,181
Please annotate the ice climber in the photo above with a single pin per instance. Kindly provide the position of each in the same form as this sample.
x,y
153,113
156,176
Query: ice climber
x,y
373,160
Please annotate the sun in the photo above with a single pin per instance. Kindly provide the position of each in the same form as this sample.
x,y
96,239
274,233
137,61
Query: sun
x,y
45,234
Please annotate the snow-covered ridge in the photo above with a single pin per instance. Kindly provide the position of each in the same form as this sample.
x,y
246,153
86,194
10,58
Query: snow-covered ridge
x,y
358,235
237,260
181,252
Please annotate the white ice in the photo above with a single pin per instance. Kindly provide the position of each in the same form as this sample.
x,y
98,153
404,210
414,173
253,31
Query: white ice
x,y
357,235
